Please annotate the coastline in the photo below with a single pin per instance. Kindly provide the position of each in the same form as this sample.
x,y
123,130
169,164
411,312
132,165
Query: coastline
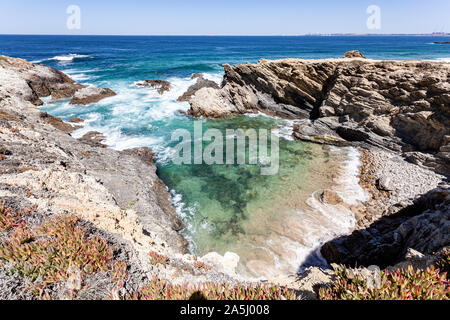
x,y
119,215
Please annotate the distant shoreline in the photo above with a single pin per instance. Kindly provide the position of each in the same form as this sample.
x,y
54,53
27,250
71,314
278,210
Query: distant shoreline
x,y
274,35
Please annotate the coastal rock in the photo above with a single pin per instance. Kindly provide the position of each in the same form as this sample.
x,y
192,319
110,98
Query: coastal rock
x,y
201,83
58,123
32,82
399,105
423,226
226,263
93,138
354,54
160,85
330,197
119,192
91,94
76,120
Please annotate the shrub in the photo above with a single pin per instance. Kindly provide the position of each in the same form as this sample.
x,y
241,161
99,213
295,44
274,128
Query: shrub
x,y
202,266
443,263
8,218
160,290
156,258
45,254
405,284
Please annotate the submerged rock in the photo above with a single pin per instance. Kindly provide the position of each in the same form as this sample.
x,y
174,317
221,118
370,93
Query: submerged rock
x,y
91,94
160,85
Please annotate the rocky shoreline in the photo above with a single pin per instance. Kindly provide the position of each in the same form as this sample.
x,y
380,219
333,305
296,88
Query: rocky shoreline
x,y
395,112
404,144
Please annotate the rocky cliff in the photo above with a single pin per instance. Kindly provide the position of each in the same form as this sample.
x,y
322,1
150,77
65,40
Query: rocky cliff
x,y
399,110
47,173
400,105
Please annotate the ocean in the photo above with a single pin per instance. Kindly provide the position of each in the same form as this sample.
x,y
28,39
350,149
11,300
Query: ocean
x,y
274,223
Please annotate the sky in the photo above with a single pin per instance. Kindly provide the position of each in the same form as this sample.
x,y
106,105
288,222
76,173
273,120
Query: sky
x,y
230,17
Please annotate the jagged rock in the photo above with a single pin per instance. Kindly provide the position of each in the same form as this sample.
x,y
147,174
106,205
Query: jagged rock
x,y
423,226
160,85
94,138
91,94
201,83
399,105
58,123
76,120
354,54
31,82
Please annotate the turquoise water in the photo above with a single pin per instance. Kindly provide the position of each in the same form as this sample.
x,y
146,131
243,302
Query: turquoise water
x,y
265,219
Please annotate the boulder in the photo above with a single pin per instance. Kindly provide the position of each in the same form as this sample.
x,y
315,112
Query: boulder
x,y
201,83
91,94
354,54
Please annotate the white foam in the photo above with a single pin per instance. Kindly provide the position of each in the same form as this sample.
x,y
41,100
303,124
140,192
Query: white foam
x,y
442,59
64,58
216,77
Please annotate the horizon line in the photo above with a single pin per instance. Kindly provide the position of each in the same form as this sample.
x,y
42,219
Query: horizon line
x,y
232,35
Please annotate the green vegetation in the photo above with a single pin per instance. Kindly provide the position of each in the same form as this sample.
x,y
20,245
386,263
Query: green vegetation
x,y
405,284
44,254
202,266
161,290
156,258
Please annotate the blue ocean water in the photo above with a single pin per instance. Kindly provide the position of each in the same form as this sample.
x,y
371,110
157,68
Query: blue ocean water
x,y
220,204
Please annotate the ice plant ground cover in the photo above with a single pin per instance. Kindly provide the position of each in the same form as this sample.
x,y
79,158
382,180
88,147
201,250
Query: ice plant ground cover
x,y
404,284
46,254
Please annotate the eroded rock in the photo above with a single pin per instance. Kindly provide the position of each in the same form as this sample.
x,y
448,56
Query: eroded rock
x,y
91,94
160,85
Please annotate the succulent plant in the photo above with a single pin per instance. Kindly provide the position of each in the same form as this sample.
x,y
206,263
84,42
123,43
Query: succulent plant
x,y
404,284
161,290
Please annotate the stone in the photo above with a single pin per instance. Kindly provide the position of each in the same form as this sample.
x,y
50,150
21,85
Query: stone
x,y
226,263
91,94
76,120
201,83
385,183
331,197
354,54
161,86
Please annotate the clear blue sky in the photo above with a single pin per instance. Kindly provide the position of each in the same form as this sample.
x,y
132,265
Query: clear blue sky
x,y
230,17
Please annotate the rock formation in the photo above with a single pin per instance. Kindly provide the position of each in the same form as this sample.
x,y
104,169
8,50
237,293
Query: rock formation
x,y
423,226
91,94
400,105
32,82
201,83
160,85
